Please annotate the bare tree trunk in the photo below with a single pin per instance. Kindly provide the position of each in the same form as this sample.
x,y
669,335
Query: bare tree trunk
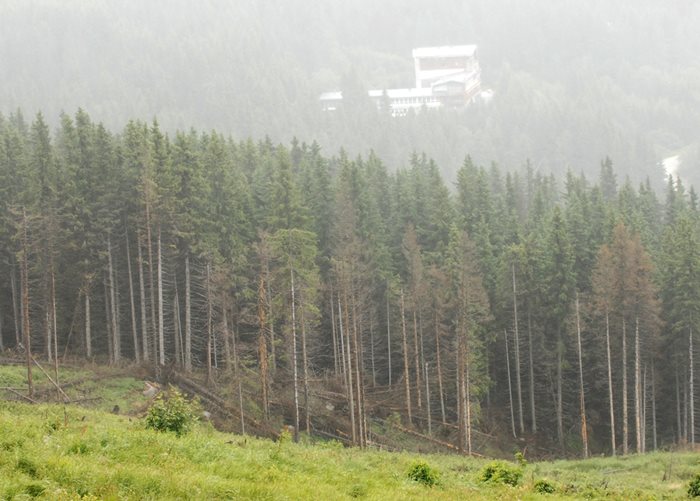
x,y
686,434
240,403
388,333
336,369
644,409
637,390
421,343
178,326
55,327
518,383
108,319
679,430
294,359
653,405
584,425
15,308
2,345
88,330
26,330
427,399
416,356
359,371
271,319
262,349
343,361
347,368
371,351
154,323
188,316
161,333
461,407
47,325
134,328
226,333
625,429
142,297
610,384
560,404
305,364
209,324
533,414
691,390
510,389
351,385
467,394
407,382
439,369
116,336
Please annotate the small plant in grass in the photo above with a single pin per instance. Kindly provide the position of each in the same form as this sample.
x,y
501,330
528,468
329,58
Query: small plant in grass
x,y
28,467
34,490
172,412
423,473
543,486
694,487
501,472
358,491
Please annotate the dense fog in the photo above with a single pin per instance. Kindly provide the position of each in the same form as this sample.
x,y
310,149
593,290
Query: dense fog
x,y
573,82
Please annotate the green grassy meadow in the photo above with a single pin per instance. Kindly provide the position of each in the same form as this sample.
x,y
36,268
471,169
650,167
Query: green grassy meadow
x,y
66,452
56,452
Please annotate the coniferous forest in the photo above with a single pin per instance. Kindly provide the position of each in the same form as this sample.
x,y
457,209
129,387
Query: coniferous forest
x,y
562,311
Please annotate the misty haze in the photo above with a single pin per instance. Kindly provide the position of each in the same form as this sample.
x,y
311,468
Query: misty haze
x,y
313,249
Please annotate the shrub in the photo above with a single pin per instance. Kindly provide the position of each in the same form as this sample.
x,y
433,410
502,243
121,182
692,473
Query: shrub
x,y
172,412
423,473
543,486
694,487
501,472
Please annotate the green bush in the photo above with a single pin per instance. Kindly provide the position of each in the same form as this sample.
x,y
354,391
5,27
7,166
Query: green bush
x,y
423,473
543,486
501,472
520,459
171,411
694,487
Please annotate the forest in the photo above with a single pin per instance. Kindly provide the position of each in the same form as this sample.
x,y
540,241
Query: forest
x,y
563,310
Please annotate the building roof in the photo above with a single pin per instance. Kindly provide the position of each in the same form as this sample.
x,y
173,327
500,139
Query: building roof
x,y
377,93
401,93
445,51
459,77
331,96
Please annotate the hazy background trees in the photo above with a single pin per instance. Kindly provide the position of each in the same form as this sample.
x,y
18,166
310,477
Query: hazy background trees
x,y
573,81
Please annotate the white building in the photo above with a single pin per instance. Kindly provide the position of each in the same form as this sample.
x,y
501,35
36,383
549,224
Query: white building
x,y
447,76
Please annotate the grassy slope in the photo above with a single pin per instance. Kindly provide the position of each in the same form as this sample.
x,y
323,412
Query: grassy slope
x,y
100,388
63,454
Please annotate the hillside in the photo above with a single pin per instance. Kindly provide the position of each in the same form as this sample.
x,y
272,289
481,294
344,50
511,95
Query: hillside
x,y
333,295
57,452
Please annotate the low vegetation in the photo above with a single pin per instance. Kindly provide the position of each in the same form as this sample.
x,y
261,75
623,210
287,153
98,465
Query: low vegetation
x,y
57,452
500,472
423,473
172,412
694,487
